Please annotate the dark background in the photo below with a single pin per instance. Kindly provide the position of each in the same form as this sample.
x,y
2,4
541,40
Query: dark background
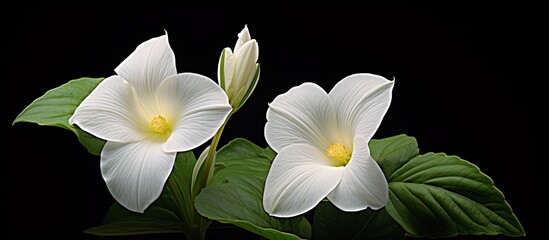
x,y
459,89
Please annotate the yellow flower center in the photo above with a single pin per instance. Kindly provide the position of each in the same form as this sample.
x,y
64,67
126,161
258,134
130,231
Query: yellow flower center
x,y
339,153
159,124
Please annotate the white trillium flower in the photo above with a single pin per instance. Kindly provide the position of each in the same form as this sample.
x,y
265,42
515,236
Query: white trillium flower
x,y
322,144
147,113
238,72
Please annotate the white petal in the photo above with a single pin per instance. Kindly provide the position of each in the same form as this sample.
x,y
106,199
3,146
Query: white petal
x,y
111,112
361,101
243,37
246,59
150,63
251,84
230,67
197,106
251,79
135,173
302,115
299,178
363,184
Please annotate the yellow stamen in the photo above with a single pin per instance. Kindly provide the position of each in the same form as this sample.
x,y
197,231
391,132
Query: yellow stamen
x,y
159,124
339,153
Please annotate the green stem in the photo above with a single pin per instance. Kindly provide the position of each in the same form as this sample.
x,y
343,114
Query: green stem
x,y
197,232
195,224
198,224
179,199
204,176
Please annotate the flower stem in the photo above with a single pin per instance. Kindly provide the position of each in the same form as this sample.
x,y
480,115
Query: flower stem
x,y
209,163
210,159
195,225
200,224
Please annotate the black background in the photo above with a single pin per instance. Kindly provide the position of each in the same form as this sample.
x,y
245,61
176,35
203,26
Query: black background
x,y
458,89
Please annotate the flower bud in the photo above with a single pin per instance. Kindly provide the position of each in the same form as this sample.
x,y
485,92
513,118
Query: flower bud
x,y
238,71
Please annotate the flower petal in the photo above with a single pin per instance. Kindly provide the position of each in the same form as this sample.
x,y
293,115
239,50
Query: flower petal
x,y
302,115
243,37
111,112
150,63
299,178
135,173
246,59
197,106
361,101
251,84
363,184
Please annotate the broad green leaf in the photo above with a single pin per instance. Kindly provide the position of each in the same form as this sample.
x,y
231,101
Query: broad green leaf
x,y
393,152
179,185
333,223
93,144
437,195
57,105
235,194
120,221
166,215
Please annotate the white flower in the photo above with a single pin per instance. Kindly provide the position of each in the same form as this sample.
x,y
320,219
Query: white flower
x,y
148,113
322,145
238,72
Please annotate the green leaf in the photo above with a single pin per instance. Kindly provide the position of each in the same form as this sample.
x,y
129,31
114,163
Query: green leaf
x,y
93,144
236,192
56,107
333,223
393,152
437,195
120,221
179,185
166,215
